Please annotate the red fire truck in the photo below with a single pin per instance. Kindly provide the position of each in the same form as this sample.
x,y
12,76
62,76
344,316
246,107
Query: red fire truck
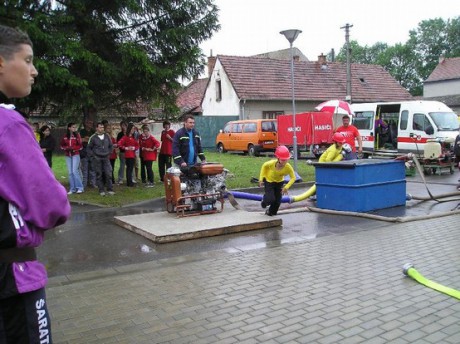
x,y
314,131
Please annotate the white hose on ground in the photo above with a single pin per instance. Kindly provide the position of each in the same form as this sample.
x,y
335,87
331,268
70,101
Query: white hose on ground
x,y
369,216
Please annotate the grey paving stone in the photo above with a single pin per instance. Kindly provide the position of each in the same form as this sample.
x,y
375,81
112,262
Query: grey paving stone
x,y
348,288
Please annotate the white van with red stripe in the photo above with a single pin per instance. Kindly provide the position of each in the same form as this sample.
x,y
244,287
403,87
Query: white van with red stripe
x,y
401,127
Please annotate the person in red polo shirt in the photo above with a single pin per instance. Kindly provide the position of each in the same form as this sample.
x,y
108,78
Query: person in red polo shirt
x,y
165,156
351,133
149,147
130,145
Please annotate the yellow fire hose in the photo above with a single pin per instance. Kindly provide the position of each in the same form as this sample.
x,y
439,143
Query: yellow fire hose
x,y
409,270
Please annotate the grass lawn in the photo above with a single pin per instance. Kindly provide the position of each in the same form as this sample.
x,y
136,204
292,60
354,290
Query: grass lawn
x,y
242,169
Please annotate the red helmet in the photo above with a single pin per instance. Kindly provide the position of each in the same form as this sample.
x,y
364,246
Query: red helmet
x,y
338,137
282,152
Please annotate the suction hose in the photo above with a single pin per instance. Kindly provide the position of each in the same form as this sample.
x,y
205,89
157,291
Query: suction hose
x,y
409,270
310,192
254,197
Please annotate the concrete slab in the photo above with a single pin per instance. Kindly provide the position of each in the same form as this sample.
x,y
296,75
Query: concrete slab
x,y
163,227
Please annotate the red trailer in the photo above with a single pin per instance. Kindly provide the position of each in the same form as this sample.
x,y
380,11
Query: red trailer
x,y
313,130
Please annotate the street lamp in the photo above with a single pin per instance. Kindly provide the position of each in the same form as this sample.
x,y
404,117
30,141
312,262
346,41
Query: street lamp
x,y
291,36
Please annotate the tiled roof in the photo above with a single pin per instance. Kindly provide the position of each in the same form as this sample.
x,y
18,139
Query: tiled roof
x,y
189,99
447,69
263,78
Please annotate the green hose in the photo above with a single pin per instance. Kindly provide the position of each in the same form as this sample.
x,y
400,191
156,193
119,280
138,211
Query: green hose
x,y
409,270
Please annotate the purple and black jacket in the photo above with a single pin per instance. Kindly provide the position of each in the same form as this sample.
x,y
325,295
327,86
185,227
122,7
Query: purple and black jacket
x,y
31,201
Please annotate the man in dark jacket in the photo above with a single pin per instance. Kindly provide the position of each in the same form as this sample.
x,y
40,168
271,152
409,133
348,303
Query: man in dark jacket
x,y
187,144
99,148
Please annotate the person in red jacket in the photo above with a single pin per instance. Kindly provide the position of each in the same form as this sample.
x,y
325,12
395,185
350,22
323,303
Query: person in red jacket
x,y
71,144
149,147
130,145
165,156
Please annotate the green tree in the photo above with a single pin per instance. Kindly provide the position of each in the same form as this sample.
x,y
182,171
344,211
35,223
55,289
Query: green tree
x,y
364,55
105,55
412,62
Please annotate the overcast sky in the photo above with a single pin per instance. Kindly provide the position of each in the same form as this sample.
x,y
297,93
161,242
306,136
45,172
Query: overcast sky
x,y
250,27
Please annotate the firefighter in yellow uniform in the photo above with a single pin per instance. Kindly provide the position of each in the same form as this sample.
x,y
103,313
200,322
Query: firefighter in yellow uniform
x,y
332,154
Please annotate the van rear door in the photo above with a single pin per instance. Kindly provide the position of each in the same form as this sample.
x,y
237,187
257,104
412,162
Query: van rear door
x,y
269,134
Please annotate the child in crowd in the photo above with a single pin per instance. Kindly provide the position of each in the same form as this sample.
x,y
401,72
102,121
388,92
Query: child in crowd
x,y
113,155
71,144
149,147
165,156
129,145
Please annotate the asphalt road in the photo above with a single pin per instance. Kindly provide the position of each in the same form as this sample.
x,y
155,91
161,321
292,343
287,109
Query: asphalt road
x,y
90,240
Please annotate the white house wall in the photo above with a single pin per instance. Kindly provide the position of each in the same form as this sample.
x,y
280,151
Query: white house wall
x,y
229,104
255,109
441,88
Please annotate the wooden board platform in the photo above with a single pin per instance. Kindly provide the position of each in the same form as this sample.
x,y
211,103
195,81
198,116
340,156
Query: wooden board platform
x,y
163,227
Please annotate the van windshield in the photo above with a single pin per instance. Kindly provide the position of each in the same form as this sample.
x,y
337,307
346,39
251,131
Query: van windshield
x,y
445,120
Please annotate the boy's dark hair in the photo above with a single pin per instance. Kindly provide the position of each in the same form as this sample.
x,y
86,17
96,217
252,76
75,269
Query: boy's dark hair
x,y
187,117
166,123
145,126
10,41
99,123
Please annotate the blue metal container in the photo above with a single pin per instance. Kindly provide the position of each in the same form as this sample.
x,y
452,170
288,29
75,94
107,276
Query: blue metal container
x,y
360,185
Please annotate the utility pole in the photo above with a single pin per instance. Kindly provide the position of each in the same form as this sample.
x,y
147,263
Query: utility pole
x,y
347,40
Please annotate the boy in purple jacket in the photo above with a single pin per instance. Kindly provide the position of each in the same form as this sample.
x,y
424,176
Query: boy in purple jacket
x,y
31,201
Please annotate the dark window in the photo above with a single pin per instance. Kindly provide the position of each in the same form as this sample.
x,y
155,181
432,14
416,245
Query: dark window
x,y
404,120
237,128
250,128
228,128
271,114
420,122
218,90
363,120
268,126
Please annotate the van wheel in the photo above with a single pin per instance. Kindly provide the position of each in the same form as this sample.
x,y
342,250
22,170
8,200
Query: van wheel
x,y
220,148
252,151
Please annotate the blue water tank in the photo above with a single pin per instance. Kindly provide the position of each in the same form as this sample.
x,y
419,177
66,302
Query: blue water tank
x,y
360,185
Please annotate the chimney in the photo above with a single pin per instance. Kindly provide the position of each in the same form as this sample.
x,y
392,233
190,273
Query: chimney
x,y
442,59
211,64
322,59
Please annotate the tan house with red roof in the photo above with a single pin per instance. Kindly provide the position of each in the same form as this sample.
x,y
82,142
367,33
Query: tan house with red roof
x,y
443,84
260,87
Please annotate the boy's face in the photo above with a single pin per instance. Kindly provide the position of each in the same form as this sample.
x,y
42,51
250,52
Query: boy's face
x,y
100,129
17,74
